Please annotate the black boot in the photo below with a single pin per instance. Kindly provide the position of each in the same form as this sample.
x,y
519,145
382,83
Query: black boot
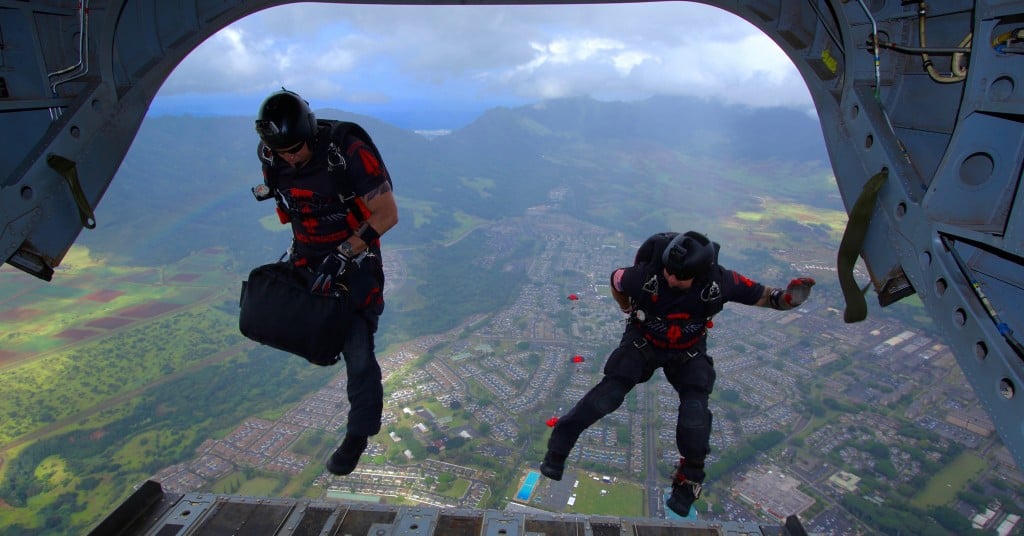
x,y
684,490
346,457
683,496
553,465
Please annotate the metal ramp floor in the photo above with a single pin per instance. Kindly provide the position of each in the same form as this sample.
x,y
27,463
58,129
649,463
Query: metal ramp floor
x,y
152,512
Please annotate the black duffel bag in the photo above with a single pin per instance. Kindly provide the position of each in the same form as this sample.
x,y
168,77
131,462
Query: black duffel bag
x,y
279,310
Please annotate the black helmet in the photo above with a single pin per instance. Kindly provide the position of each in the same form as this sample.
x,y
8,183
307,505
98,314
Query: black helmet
x,y
285,120
689,255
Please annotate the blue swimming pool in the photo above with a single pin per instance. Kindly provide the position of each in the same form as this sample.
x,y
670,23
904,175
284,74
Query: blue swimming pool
x,y
527,488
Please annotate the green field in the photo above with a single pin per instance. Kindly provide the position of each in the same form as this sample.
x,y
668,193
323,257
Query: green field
x,y
943,487
771,209
458,488
624,499
260,487
87,418
100,383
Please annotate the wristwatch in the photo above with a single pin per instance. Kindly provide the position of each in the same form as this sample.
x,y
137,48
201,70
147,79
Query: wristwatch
x,y
345,249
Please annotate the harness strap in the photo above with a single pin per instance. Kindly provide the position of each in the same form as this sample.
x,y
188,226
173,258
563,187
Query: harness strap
x,y
644,345
851,245
663,346
336,166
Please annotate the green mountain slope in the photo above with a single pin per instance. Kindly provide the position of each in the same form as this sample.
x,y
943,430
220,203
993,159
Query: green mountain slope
x,y
185,183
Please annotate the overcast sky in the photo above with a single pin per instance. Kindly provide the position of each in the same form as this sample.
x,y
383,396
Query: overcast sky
x,y
440,66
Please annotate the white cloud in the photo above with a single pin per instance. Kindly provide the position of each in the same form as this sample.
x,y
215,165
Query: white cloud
x,y
227,58
336,60
751,70
385,53
569,51
626,61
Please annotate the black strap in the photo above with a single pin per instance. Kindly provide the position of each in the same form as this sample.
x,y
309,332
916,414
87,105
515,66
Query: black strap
x,y
339,131
852,243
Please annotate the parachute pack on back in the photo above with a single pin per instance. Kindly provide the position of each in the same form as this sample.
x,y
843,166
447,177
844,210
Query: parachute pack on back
x,y
339,131
652,248
336,164
651,251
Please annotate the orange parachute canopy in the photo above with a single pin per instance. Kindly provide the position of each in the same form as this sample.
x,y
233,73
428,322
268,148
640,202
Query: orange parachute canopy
x,y
578,359
552,422
573,297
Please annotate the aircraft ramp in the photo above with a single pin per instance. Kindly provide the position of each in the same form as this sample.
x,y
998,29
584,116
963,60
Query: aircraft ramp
x,y
151,511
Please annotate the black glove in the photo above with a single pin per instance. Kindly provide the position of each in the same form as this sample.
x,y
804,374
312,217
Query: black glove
x,y
329,272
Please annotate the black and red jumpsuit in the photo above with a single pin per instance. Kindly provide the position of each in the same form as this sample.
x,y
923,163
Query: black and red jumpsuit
x,y
672,335
312,200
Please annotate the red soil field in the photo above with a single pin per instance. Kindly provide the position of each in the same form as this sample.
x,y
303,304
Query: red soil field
x,y
7,356
21,313
109,322
76,335
103,296
184,277
149,276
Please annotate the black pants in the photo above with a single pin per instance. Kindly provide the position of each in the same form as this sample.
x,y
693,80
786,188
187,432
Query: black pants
x,y
693,378
365,391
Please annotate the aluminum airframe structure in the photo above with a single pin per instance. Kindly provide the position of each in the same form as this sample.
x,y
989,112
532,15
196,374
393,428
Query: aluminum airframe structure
x,y
921,106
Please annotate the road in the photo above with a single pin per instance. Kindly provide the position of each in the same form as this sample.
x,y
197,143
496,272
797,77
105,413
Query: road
x,y
654,506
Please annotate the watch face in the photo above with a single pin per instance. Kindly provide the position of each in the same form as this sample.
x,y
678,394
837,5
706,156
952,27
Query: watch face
x,y
346,248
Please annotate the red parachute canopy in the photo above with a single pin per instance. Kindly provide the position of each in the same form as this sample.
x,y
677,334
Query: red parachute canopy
x,y
578,359
552,422
573,297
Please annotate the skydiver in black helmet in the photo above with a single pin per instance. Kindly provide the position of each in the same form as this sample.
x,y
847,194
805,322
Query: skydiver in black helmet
x,y
337,220
670,294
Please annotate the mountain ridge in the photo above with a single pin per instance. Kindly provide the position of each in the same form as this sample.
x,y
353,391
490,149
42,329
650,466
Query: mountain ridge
x,y
197,170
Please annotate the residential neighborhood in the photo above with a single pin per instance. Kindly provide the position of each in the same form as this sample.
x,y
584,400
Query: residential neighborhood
x,y
851,409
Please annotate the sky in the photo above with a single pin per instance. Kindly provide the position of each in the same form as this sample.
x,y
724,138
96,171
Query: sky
x,y
439,67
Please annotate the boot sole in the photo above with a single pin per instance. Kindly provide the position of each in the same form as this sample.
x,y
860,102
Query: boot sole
x,y
551,472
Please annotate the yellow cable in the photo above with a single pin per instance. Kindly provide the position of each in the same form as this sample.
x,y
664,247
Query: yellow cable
x,y
958,63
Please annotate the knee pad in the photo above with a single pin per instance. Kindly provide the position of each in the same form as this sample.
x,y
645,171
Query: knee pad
x,y
610,396
693,433
693,414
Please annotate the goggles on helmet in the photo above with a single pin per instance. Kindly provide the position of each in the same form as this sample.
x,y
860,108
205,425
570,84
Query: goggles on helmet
x,y
267,129
285,120
687,257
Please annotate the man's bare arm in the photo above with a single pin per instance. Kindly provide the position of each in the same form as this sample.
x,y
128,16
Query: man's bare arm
x,y
619,297
383,216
